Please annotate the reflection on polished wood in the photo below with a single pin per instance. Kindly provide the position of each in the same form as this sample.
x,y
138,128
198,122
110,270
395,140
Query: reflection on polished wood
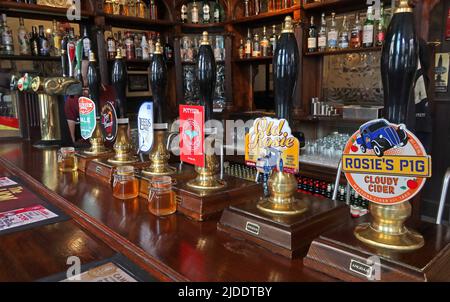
x,y
171,248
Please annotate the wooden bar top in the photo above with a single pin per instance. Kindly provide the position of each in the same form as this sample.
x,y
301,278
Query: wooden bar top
x,y
172,248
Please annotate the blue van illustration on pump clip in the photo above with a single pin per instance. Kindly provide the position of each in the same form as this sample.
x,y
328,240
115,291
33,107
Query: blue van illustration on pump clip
x,y
380,136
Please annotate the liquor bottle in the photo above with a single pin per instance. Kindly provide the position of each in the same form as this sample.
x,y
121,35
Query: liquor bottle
x,y
145,50
241,50
151,45
116,7
368,29
246,8
322,37
265,46
132,8
130,51
381,29
217,11
123,7
56,39
86,44
332,33
140,8
206,15
24,44
343,34
312,36
7,38
285,70
120,44
111,50
153,10
1,33
399,65
257,7
44,46
184,14
273,39
168,50
108,7
256,51
194,13
138,47
248,45
356,33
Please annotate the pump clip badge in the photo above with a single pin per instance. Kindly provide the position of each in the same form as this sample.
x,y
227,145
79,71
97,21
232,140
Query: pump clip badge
x,y
86,108
385,163
270,144
145,127
109,122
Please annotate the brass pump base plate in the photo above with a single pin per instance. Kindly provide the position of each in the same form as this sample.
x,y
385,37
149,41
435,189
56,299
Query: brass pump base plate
x,y
92,153
407,241
214,185
296,207
129,160
168,171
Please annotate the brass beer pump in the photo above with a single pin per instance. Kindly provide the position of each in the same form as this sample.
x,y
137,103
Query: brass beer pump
x,y
387,229
122,147
97,141
282,186
206,178
159,155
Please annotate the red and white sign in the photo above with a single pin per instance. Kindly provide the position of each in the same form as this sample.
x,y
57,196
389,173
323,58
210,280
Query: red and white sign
x,y
6,182
24,216
192,134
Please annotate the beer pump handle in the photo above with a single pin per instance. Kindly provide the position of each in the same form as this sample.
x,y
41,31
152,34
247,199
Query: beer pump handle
x,y
79,60
71,49
158,81
206,75
285,70
93,79
119,74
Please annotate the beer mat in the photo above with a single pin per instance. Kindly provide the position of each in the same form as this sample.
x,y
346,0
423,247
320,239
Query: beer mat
x,y
6,182
24,218
115,269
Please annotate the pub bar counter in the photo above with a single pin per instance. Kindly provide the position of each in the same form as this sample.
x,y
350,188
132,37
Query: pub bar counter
x,y
101,104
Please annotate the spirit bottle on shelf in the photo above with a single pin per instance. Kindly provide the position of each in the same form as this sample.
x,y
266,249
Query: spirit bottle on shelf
x,y
241,50
44,46
194,13
24,44
140,8
168,50
322,37
248,45
332,33
138,46
381,28
144,46
57,39
256,52
116,7
246,8
108,7
312,36
368,29
206,12
265,46
7,39
111,47
184,13
273,39
257,7
86,44
132,8
153,10
356,33
151,45
123,7
129,46
217,11
34,41
343,34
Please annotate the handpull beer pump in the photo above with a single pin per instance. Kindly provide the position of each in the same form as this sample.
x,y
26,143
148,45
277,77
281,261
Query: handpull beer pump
x,y
282,186
122,146
96,140
159,155
206,75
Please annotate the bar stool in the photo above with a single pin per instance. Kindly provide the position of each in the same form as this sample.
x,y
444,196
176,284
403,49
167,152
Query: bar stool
x,y
445,185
